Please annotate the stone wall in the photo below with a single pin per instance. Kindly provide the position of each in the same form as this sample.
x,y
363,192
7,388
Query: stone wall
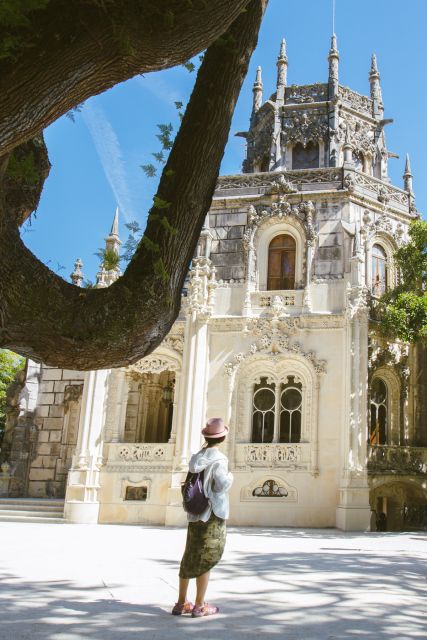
x,y
56,419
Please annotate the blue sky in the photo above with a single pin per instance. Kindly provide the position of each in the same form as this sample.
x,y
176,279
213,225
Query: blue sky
x,y
96,160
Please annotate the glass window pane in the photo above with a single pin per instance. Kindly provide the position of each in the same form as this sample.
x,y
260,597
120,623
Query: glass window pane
x,y
378,391
295,426
291,399
264,399
257,423
285,426
269,427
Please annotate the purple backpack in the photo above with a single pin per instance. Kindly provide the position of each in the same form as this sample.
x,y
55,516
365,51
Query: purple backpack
x,y
194,500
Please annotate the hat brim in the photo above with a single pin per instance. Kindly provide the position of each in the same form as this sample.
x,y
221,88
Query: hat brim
x,y
216,435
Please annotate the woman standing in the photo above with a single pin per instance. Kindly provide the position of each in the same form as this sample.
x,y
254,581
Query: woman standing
x,y
206,531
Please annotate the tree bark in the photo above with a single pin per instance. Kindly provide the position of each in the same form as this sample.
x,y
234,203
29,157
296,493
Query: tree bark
x,y
71,50
46,318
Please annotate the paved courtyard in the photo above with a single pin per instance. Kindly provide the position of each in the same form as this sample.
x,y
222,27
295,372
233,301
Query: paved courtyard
x,y
66,582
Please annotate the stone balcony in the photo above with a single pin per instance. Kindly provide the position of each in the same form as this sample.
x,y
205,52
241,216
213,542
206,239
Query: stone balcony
x,y
312,180
396,460
139,455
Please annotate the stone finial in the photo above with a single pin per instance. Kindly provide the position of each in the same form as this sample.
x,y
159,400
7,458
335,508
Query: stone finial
x,y
257,91
77,275
376,94
333,59
407,176
347,146
282,72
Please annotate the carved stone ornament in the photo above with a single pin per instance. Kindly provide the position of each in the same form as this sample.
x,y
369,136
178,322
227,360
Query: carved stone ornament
x,y
303,212
298,94
72,393
174,342
304,127
281,186
142,453
356,101
357,302
153,364
397,460
264,181
274,344
361,135
268,489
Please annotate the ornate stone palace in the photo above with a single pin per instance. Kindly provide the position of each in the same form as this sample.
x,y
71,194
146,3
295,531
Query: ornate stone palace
x,y
276,334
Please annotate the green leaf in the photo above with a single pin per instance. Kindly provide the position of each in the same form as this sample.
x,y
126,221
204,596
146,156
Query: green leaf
x,y
149,170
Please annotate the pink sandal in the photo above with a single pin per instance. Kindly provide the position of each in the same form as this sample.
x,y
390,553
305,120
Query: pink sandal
x,y
180,609
206,610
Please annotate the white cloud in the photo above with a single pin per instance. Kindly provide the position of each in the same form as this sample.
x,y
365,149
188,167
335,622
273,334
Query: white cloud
x,y
109,152
160,89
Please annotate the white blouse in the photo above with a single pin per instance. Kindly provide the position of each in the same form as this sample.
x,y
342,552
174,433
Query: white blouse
x,y
217,482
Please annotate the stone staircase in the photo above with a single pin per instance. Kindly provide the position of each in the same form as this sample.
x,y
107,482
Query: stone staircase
x,y
31,510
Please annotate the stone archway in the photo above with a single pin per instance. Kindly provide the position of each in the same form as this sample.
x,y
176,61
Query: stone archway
x,y
403,503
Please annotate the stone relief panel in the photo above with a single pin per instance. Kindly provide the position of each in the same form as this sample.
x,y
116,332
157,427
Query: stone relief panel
x,y
269,489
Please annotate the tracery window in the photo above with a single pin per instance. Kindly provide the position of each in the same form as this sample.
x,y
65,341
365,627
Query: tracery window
x,y
281,263
290,413
263,411
379,412
305,157
379,270
277,411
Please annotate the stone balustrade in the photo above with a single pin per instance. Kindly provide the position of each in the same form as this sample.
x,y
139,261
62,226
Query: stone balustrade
x,y
392,459
271,455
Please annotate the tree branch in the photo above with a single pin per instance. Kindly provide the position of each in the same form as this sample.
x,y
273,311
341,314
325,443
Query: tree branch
x,y
44,317
65,52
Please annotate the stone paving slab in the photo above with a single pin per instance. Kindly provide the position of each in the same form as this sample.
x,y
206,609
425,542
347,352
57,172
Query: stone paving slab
x,y
111,582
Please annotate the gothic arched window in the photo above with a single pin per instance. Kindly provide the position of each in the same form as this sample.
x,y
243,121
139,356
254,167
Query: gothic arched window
x,y
277,411
281,263
379,270
379,412
290,412
305,157
263,410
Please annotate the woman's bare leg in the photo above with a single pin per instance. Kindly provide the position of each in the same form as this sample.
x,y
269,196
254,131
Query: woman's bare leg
x,y
183,587
202,585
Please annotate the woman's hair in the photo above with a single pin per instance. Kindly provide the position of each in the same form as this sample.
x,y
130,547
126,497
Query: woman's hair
x,y
210,442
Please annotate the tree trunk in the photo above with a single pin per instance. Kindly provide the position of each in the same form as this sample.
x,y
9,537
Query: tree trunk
x,y
46,318
69,51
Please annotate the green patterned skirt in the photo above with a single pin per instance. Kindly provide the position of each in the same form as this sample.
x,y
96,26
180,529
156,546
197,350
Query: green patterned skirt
x,y
204,547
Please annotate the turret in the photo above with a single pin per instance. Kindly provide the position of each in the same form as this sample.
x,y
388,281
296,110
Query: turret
x,y
376,95
77,275
257,91
109,269
112,241
282,73
407,177
333,59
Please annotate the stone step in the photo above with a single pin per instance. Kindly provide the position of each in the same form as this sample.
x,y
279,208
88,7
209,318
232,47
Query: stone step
x,y
45,508
17,517
37,514
32,501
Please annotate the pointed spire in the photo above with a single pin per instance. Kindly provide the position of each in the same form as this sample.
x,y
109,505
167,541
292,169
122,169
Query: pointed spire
x,y
407,176
112,241
257,91
376,95
282,72
77,275
115,226
333,59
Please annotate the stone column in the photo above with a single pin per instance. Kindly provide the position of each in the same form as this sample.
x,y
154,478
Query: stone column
x,y
353,511
81,499
122,401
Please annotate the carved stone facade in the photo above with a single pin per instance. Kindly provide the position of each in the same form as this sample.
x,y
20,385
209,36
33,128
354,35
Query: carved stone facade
x,y
321,411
